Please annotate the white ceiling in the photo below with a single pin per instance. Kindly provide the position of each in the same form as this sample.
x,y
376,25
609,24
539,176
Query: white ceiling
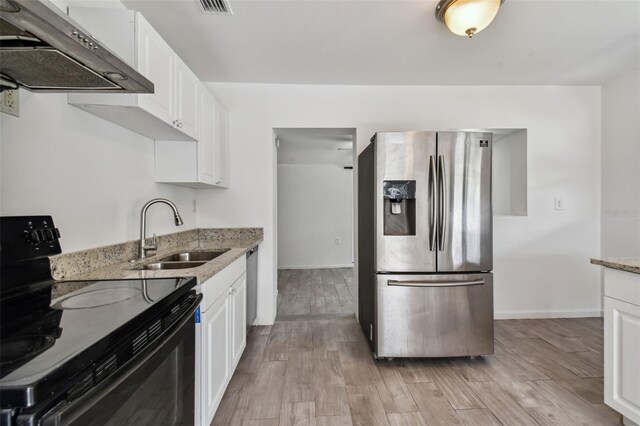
x,y
397,42
315,146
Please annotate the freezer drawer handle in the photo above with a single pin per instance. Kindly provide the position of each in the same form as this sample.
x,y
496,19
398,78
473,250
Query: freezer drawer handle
x,y
418,283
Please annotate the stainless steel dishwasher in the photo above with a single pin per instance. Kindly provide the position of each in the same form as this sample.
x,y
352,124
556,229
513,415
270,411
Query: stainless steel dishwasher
x,y
252,285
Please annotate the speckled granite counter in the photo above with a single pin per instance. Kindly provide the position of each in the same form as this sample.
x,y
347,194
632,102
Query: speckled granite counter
x,y
114,262
628,264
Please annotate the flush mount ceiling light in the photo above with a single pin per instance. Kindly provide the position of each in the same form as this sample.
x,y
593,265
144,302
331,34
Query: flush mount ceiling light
x,y
467,17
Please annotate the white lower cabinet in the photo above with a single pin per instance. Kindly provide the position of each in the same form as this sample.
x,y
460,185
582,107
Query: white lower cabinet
x,y
216,351
221,336
238,304
622,343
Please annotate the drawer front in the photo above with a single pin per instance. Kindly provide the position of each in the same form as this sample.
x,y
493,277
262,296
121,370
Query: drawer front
x,y
622,285
220,283
434,315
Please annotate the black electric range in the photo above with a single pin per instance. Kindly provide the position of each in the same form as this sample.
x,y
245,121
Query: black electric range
x,y
54,351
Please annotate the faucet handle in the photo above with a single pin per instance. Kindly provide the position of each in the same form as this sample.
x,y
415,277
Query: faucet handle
x,y
152,246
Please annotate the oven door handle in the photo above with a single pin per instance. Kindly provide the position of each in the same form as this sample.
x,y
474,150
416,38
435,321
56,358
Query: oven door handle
x,y
65,412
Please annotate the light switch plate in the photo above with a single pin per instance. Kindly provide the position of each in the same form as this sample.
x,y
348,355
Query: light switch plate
x,y
559,203
10,102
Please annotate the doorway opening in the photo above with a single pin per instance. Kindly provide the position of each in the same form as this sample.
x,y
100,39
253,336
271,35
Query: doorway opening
x,y
315,222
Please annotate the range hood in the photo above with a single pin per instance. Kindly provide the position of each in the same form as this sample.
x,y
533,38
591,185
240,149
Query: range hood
x,y
43,50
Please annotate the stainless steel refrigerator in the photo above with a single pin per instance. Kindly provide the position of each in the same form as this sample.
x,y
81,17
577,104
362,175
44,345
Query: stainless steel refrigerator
x,y
425,244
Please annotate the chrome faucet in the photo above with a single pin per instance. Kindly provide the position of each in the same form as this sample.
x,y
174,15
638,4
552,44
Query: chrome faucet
x,y
144,248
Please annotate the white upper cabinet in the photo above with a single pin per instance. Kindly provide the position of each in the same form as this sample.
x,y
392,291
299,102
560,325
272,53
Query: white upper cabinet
x,y
189,125
221,155
201,164
187,88
168,112
207,139
156,61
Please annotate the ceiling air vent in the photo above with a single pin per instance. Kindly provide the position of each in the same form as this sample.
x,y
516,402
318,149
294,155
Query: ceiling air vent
x,y
219,7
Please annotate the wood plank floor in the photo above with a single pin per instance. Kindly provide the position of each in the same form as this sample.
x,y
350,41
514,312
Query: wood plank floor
x,y
315,292
321,372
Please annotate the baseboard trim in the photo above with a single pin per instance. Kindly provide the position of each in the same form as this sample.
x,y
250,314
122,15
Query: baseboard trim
x,y
263,321
546,314
350,265
502,315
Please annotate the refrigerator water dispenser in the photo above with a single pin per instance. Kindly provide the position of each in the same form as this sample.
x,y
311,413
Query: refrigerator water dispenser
x,y
399,207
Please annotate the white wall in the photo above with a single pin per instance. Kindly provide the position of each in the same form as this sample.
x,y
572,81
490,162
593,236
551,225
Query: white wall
x,y
92,176
314,207
621,166
541,260
509,173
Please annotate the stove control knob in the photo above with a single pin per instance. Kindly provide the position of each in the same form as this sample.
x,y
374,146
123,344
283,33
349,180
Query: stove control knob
x,y
35,237
49,235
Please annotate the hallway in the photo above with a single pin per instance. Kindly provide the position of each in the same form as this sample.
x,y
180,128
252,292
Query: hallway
x,y
315,292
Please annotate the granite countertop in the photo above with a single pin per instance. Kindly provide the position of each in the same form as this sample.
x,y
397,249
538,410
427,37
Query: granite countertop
x,y
628,264
114,262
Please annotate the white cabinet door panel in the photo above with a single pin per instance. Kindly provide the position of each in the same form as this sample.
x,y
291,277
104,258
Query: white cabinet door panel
x,y
215,356
186,99
622,357
238,301
222,147
156,61
206,142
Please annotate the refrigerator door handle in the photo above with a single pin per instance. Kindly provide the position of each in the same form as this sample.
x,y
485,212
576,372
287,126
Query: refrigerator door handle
x,y
432,203
442,203
421,283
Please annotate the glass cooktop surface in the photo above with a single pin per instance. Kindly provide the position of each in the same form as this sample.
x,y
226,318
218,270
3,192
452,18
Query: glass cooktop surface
x,y
40,334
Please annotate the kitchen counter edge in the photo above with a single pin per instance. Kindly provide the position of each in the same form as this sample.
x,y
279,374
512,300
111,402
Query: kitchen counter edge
x,y
627,264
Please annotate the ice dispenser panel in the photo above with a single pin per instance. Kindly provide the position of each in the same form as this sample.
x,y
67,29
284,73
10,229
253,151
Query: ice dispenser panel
x,y
399,207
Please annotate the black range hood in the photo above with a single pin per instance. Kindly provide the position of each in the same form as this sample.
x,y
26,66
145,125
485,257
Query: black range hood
x,y
43,50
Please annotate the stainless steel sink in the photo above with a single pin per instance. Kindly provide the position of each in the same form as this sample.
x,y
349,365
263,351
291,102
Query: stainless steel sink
x,y
157,266
192,256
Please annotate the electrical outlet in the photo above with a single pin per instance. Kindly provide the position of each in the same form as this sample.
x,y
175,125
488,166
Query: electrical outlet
x,y
338,240
559,203
195,206
10,102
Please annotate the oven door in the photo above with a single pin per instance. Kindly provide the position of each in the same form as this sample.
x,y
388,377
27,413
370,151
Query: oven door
x,y
158,390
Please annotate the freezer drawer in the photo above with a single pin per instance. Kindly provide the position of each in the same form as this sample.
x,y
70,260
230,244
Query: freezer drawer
x,y
439,315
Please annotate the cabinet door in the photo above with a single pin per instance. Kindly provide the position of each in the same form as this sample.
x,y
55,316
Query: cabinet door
x,y
156,61
187,86
622,357
222,147
238,301
216,348
207,139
